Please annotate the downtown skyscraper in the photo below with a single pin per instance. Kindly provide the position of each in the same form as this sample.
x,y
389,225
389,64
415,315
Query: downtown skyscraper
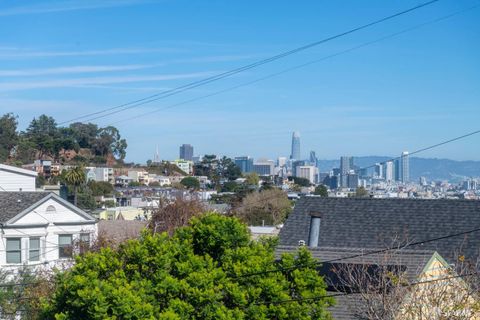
x,y
405,167
346,165
186,152
295,146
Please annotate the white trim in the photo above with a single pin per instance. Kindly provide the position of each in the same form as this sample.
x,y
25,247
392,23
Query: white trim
x,y
18,170
43,200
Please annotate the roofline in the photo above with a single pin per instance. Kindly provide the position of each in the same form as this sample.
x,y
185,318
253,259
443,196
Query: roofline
x,y
385,199
18,170
49,196
19,226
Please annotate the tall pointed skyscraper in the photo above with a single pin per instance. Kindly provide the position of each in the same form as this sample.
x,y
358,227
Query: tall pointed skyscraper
x,y
295,146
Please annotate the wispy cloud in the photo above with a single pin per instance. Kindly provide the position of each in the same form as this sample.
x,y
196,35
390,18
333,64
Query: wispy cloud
x,y
60,6
71,70
79,82
31,106
16,53
224,58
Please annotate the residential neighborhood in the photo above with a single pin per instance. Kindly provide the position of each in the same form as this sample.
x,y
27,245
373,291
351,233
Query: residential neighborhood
x,y
244,160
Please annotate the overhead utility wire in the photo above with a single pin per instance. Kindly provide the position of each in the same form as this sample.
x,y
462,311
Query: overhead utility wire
x,y
363,254
272,75
396,247
170,92
358,292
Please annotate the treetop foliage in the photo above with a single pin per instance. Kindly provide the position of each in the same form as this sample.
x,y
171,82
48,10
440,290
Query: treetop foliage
x,y
44,138
193,274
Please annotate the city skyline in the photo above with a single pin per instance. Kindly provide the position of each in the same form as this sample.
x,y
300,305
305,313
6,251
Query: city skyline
x,y
375,100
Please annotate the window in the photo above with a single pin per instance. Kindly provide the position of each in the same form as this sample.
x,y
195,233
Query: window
x,y
51,209
34,249
314,232
84,242
14,250
65,246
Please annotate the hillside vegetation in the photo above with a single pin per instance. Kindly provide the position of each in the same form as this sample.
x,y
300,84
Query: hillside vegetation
x,y
43,139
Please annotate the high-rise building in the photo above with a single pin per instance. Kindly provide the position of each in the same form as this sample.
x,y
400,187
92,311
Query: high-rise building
x,y
245,164
295,146
397,170
313,159
307,172
378,171
389,171
346,164
264,167
405,167
352,180
296,164
282,161
186,152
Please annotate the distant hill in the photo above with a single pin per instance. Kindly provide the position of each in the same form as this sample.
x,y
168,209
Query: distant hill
x,y
432,169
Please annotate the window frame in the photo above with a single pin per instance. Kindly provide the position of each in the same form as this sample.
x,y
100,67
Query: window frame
x,y
38,249
62,247
19,250
84,244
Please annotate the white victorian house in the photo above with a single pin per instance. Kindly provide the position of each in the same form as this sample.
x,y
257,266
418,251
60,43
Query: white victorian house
x,y
40,228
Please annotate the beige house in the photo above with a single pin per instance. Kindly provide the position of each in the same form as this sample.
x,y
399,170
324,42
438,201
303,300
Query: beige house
x,y
402,284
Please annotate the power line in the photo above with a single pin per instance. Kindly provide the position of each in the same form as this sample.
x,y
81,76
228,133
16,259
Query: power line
x,y
358,292
192,85
363,254
272,75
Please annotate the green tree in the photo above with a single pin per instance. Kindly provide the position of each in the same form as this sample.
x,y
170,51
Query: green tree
x,y
108,141
8,135
303,182
43,132
252,179
192,275
190,183
100,188
361,192
84,134
321,190
230,186
75,177
227,169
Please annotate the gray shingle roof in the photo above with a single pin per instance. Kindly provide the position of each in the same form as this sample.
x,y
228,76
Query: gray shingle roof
x,y
413,261
13,203
346,307
373,223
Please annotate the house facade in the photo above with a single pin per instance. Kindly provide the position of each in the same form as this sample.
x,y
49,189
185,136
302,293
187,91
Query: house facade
x,y
16,179
41,229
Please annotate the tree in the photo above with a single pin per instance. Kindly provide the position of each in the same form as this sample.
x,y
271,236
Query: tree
x,y
388,290
227,169
321,190
100,188
303,182
190,183
195,274
270,206
43,132
75,177
108,141
252,179
8,135
171,215
84,134
361,192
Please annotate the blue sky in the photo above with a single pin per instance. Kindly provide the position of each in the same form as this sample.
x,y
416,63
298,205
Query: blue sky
x,y
69,58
